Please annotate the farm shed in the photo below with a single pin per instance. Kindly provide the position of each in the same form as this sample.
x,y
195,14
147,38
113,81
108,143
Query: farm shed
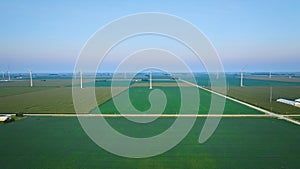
x,y
289,102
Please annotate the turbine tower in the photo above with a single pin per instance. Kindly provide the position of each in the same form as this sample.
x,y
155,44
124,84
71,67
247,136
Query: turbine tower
x,y
3,75
150,76
30,74
81,79
242,76
270,74
8,73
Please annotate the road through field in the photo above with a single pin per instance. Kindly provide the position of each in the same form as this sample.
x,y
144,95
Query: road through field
x,y
246,104
150,115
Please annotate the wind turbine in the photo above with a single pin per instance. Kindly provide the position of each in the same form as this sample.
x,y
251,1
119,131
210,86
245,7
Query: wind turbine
x,y
270,74
242,76
150,76
8,73
30,74
81,79
3,75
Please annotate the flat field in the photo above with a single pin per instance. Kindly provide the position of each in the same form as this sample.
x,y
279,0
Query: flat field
x,y
258,90
139,99
60,142
260,96
55,96
52,96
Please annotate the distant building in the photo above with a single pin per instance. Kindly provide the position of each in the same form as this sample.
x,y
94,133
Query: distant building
x,y
289,102
297,100
5,118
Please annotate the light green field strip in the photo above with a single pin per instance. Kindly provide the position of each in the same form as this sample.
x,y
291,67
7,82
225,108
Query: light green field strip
x,y
51,100
246,104
144,84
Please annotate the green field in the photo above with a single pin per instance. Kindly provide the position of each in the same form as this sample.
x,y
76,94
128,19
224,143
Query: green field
x,y
57,98
257,89
59,142
234,80
260,96
53,96
139,98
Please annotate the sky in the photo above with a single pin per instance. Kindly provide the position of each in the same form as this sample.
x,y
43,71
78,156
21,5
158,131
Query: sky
x,y
47,36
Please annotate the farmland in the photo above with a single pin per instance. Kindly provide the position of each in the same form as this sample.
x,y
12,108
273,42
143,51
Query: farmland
x,y
257,91
260,96
55,95
139,98
45,97
59,142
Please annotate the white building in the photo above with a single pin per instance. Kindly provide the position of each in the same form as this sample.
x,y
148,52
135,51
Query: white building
x,y
4,118
289,102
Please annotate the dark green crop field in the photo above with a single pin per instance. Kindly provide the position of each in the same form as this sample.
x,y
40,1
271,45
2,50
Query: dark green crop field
x,y
139,99
59,142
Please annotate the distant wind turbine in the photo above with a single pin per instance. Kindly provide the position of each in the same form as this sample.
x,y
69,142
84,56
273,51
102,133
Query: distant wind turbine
x,y
242,76
81,79
30,74
3,75
150,76
8,73
270,74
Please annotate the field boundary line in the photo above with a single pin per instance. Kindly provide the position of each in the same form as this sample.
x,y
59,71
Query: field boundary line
x,y
150,115
245,104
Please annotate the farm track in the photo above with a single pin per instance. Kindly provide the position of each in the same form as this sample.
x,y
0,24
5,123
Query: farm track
x,y
151,115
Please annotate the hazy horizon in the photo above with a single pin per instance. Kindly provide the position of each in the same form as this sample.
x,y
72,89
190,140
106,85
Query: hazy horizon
x,y
47,36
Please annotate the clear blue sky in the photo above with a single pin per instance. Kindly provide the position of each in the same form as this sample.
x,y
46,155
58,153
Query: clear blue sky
x,y
46,36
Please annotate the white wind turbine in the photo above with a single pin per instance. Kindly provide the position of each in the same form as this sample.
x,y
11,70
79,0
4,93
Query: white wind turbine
x,y
8,73
242,76
150,76
30,75
3,75
81,86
